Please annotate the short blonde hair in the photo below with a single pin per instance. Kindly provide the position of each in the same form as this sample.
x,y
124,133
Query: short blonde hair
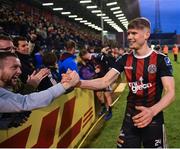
x,y
139,23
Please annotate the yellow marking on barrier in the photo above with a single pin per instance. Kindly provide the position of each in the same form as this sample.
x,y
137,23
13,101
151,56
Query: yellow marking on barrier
x,y
83,101
120,88
90,130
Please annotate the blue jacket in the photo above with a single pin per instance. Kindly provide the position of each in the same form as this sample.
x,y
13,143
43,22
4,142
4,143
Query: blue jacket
x,y
66,61
38,60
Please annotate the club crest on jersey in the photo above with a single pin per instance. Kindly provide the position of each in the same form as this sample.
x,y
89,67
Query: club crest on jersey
x,y
152,68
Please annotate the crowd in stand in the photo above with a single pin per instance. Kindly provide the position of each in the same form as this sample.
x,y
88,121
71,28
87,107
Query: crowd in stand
x,y
48,50
47,35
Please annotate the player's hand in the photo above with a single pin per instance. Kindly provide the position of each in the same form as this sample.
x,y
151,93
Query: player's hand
x,y
142,119
66,76
70,79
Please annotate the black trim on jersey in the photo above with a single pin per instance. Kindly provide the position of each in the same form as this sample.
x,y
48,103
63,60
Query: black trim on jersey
x,y
133,101
145,76
159,86
120,63
165,69
134,64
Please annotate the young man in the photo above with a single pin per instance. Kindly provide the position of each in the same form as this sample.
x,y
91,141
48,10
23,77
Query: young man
x,y
13,102
23,53
148,72
68,59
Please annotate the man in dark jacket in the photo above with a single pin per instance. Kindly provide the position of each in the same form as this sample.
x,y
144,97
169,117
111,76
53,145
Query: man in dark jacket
x,y
23,54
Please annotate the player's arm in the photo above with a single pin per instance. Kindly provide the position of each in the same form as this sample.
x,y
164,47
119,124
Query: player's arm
x,y
168,97
100,83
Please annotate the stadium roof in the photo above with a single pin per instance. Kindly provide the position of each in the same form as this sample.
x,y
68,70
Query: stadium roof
x,y
115,13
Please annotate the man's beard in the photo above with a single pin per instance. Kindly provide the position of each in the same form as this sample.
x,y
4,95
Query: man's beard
x,y
11,82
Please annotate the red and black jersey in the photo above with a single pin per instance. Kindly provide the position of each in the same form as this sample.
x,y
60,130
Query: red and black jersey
x,y
143,75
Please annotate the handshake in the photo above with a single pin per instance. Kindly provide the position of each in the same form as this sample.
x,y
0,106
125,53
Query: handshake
x,y
70,79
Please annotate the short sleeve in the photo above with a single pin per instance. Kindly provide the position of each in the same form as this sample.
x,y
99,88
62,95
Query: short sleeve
x,y
165,66
120,63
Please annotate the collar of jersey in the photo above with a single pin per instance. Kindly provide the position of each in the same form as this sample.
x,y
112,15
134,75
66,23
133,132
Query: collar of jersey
x,y
144,56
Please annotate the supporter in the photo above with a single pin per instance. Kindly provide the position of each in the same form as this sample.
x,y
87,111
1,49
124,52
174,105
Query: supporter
x,y
50,61
31,37
15,119
148,72
68,59
104,62
23,54
115,52
58,42
86,66
97,65
91,49
13,102
6,43
27,68
121,53
38,58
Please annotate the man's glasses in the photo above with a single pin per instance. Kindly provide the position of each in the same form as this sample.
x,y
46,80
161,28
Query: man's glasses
x,y
8,49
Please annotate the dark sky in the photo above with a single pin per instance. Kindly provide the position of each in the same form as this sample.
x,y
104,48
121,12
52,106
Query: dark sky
x,y
169,14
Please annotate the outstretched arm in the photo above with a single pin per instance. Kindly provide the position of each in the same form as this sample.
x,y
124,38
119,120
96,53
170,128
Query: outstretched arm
x,y
100,83
12,102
